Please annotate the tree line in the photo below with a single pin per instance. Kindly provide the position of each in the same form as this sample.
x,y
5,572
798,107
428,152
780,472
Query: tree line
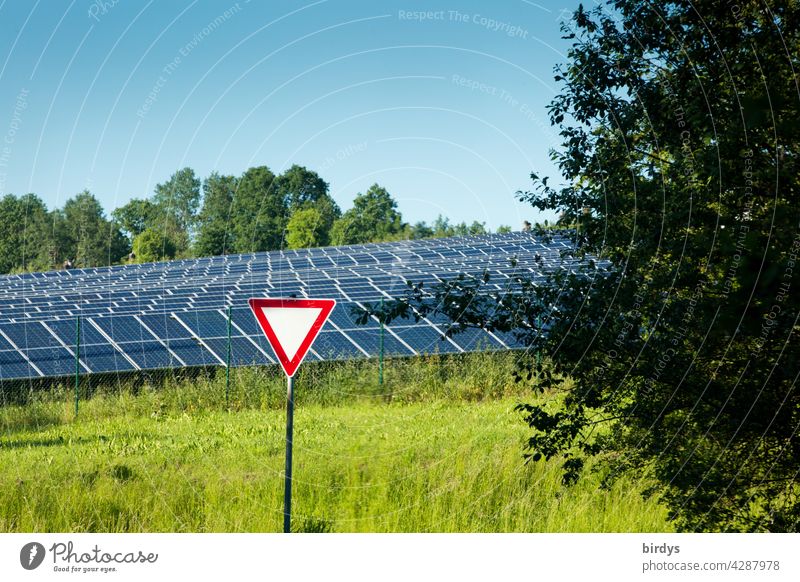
x,y
188,217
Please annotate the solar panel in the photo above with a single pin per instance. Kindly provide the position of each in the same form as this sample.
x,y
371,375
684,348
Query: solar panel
x,y
173,314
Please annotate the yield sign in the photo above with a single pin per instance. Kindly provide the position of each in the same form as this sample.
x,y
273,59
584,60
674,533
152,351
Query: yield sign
x,y
291,326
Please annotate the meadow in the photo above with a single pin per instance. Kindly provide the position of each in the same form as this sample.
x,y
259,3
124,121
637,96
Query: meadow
x,y
437,448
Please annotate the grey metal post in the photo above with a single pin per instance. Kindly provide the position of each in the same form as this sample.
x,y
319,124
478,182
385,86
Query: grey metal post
x,y
287,484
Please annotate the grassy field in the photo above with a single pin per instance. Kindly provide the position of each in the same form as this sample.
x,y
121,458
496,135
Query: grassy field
x,y
438,448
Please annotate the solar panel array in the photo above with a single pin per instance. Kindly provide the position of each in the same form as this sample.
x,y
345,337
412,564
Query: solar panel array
x,y
174,314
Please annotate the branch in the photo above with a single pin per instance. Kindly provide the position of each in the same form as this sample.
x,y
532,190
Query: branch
x,y
648,154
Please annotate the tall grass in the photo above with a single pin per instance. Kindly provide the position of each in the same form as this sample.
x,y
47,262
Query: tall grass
x,y
465,377
437,448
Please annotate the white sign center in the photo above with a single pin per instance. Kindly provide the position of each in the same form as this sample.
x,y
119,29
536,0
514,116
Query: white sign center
x,y
291,325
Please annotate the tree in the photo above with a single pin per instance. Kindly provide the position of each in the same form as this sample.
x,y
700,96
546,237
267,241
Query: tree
x,y
476,228
305,229
214,233
24,234
299,187
302,189
373,218
682,347
443,228
503,229
420,230
152,245
84,235
329,213
177,202
259,213
135,216
35,239
680,150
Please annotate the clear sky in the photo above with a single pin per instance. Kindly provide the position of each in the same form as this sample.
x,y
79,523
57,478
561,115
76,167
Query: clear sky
x,y
446,109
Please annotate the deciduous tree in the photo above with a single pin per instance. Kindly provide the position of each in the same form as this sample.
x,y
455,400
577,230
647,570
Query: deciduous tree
x,y
374,217
215,235
259,214
135,216
152,245
177,201
85,236
680,157
25,237
305,229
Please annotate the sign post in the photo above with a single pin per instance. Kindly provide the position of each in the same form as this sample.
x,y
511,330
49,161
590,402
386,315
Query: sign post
x,y
287,478
291,326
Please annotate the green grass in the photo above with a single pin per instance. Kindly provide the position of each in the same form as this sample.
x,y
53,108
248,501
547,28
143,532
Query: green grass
x,y
439,448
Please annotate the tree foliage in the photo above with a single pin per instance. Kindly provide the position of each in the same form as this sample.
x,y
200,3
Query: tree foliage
x,y
152,245
680,149
254,212
374,217
84,235
214,236
305,229
179,198
177,202
33,238
26,241
259,213
300,187
136,216
311,208
442,227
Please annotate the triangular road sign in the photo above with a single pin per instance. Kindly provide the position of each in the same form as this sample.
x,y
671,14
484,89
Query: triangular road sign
x,y
291,326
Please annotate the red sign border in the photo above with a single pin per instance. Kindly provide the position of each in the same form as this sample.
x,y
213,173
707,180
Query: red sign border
x,y
258,303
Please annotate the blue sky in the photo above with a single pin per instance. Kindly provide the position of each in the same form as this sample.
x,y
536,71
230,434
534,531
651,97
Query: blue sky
x,y
446,109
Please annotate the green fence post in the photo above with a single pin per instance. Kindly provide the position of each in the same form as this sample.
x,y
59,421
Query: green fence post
x,y
77,361
228,363
380,351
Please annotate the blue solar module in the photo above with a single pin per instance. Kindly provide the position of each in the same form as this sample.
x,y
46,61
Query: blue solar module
x,y
104,358
426,339
123,329
66,331
165,326
473,340
30,335
243,352
335,346
12,363
52,361
369,340
95,350
173,314
150,355
342,317
242,317
191,352
206,324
